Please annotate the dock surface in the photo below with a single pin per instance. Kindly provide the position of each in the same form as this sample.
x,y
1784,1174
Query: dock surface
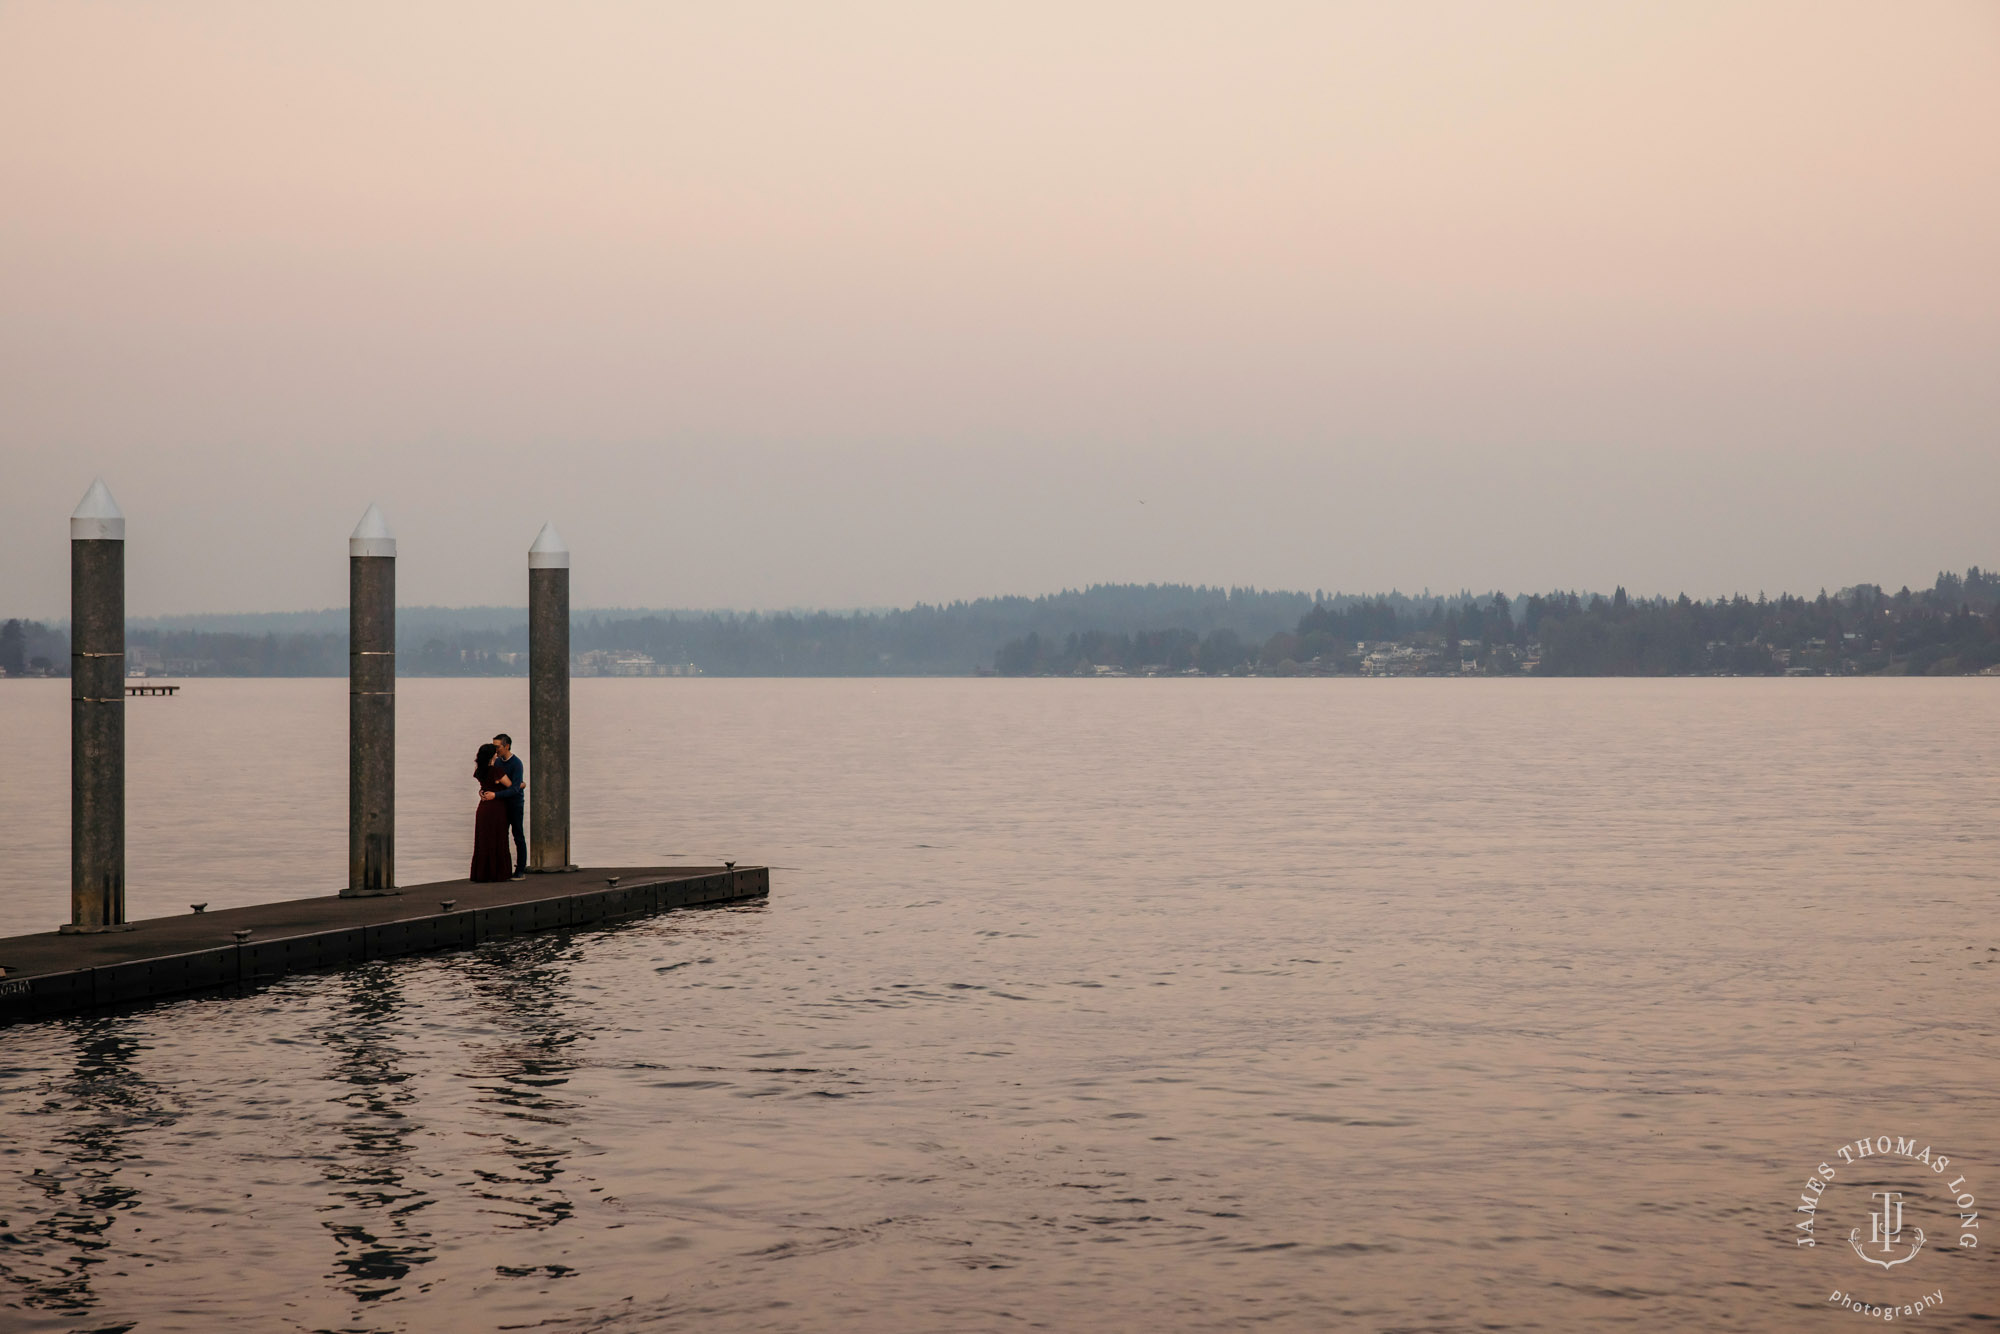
x,y
53,973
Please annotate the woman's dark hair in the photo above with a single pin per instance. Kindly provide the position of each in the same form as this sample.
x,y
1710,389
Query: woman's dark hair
x,y
485,760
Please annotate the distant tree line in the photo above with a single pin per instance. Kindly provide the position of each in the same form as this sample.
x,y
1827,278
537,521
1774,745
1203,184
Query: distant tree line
x,y
1949,628
29,648
951,639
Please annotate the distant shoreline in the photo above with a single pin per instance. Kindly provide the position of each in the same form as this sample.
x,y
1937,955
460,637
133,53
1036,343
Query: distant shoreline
x,y
1136,630
1991,672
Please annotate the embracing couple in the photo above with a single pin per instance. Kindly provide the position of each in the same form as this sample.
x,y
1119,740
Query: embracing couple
x,y
502,798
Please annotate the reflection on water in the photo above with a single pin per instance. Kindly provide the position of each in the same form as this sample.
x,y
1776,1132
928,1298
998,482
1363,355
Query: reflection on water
x,y
404,1126
518,1073
376,1218
81,1183
516,1059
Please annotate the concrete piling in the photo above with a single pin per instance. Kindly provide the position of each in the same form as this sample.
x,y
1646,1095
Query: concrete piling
x,y
548,703
371,708
97,713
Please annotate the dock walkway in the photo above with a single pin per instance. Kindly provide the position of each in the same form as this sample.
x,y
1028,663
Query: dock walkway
x,y
52,973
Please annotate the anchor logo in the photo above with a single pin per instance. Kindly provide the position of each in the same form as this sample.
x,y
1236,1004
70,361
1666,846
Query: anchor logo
x,y
1885,1230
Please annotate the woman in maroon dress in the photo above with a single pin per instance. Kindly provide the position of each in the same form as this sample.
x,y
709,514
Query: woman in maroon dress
x,y
492,854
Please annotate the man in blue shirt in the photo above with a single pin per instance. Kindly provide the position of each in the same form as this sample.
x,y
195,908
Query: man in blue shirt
x,y
514,793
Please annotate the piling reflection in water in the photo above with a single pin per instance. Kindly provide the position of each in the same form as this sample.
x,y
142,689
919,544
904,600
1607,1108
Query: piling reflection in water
x,y
99,1108
389,1203
375,1217
524,987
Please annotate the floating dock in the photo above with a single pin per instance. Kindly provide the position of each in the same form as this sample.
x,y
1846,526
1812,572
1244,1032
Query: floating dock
x,y
61,972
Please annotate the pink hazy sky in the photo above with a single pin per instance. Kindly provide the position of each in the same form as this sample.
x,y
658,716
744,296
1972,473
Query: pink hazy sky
x,y
774,305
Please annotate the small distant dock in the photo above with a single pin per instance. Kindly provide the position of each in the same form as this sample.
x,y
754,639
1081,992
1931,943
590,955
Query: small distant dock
x,y
149,689
61,972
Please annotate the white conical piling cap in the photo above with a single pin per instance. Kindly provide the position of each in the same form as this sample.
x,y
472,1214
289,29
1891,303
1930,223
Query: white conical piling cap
x,y
371,537
97,516
548,553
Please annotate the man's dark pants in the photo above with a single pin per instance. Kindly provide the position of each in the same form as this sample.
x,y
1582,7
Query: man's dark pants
x,y
516,807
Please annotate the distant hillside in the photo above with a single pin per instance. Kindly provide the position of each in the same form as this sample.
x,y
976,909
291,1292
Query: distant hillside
x,y
1125,628
953,639
1952,628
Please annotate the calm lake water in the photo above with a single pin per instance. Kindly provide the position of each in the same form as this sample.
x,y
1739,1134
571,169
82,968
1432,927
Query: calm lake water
x,y
1194,1005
